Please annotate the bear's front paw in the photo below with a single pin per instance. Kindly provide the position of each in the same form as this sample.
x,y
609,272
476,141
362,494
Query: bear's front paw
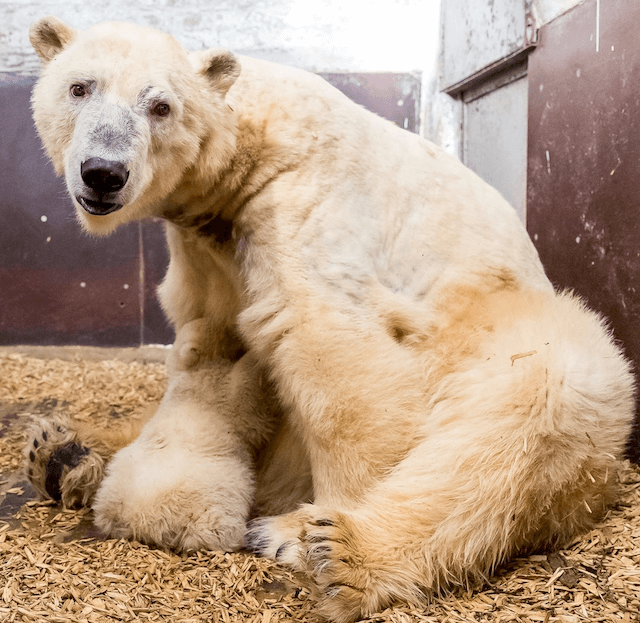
x,y
59,466
321,542
278,538
343,586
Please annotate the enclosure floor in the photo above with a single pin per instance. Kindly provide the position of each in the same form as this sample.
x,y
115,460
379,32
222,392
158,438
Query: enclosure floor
x,y
55,567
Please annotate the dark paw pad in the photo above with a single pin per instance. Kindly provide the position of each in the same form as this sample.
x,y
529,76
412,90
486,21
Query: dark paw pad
x,y
69,456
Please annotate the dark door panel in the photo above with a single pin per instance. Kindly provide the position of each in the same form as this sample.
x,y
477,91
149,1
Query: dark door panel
x,y
583,178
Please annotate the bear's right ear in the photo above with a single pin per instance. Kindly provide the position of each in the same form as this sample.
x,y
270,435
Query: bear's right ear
x,y
49,36
219,66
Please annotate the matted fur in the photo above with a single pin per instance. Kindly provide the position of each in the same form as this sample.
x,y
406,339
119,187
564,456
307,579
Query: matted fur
x,y
453,408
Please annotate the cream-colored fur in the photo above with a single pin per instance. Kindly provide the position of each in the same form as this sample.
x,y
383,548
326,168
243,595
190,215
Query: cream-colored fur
x,y
187,481
454,408
183,477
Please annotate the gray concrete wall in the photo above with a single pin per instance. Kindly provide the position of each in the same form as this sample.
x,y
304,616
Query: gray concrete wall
x,y
319,35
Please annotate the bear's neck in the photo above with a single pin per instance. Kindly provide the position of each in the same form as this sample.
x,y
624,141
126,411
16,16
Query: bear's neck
x,y
209,204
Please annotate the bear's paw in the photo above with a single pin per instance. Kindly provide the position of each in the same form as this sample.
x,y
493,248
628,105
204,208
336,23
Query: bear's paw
x,y
59,466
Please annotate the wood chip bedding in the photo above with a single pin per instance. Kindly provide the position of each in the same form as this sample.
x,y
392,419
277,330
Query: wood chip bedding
x,y
55,568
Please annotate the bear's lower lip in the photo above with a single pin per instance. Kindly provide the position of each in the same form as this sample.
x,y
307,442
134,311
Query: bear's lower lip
x,y
98,208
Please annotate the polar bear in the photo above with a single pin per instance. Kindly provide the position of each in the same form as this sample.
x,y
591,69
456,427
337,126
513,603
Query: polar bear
x,y
454,408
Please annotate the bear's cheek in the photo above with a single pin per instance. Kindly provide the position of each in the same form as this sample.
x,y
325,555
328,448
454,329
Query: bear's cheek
x,y
168,157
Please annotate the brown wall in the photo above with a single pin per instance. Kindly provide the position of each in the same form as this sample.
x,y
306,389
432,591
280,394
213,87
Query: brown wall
x,y
583,186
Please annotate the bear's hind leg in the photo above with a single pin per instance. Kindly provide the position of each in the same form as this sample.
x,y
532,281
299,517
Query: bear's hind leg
x,y
446,517
517,452
65,459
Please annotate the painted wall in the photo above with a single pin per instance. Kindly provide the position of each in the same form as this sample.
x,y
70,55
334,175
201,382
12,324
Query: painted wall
x,y
471,24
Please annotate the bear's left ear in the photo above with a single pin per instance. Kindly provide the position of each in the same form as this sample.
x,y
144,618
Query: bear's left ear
x,y
49,36
219,66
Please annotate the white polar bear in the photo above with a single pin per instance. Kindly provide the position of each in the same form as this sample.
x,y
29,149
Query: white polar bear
x,y
455,409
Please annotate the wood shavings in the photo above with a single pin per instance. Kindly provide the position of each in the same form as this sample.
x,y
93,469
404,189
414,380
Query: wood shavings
x,y
55,569
95,391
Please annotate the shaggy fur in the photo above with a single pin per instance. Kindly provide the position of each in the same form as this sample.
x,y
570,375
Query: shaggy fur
x,y
184,477
453,408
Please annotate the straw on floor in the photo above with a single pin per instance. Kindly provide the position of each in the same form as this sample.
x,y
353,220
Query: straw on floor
x,y
55,568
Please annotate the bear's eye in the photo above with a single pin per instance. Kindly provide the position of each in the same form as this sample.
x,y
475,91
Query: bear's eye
x,y
78,90
161,109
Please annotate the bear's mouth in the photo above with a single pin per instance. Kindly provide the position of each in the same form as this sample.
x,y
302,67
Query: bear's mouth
x,y
98,208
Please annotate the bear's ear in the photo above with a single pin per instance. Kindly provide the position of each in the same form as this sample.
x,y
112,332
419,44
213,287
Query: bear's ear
x,y
219,66
49,36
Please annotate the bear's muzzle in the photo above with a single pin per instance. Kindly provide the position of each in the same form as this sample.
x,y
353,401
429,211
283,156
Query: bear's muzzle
x,y
104,178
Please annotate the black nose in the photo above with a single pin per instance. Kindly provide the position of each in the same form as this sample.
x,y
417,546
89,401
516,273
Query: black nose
x,y
104,176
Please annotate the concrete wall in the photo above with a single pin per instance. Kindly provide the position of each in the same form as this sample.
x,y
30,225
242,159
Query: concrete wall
x,y
320,35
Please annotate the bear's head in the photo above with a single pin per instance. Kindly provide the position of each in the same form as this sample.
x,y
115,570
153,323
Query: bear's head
x,y
124,113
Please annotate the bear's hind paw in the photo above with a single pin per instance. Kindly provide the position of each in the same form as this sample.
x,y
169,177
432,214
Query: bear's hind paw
x,y
59,466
